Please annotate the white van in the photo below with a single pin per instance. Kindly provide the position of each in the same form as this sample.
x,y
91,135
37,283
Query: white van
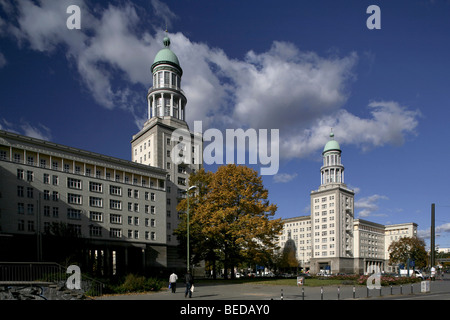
x,y
412,273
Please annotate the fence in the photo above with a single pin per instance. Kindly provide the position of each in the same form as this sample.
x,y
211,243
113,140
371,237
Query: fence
x,y
43,273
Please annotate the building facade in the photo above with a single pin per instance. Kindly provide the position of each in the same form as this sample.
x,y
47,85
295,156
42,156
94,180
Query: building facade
x,y
166,142
330,239
122,212
117,207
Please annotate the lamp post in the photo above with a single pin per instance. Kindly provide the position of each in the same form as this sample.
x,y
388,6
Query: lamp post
x,y
187,224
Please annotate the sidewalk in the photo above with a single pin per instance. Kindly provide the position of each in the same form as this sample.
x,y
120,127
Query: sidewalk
x,y
277,292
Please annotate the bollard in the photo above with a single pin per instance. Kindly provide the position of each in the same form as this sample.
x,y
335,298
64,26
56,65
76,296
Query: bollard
x,y
412,288
401,289
339,292
303,293
321,293
353,292
281,294
391,290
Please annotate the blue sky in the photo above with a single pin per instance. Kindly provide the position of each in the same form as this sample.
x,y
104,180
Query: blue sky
x,y
302,67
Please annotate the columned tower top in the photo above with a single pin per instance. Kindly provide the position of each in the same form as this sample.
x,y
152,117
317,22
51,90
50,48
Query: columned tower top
x,y
332,171
165,98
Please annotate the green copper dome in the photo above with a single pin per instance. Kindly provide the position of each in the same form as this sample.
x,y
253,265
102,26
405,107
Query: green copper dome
x,y
331,145
166,56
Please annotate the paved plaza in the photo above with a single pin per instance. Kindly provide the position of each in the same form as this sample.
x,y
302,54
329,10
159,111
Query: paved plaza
x,y
439,290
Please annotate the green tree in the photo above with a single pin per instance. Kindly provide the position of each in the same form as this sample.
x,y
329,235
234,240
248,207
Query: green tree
x,y
230,217
411,248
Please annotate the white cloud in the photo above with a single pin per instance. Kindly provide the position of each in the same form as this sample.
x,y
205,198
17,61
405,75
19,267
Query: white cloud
x,y
284,177
2,60
369,205
300,93
38,130
439,231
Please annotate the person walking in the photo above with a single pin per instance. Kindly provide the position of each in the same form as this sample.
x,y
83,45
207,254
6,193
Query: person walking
x,y
189,282
173,282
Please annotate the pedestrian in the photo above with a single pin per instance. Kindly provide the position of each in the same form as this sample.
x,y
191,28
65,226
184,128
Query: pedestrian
x,y
189,282
173,282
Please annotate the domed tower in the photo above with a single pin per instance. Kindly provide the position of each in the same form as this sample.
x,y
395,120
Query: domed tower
x,y
332,207
332,171
158,141
165,98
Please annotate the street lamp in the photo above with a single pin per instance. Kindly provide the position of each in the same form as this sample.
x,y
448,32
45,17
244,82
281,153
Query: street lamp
x,y
187,193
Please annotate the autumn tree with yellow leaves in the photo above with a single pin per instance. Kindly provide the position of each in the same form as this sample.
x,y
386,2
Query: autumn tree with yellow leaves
x,y
230,218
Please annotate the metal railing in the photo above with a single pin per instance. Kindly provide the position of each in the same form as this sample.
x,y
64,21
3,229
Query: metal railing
x,y
44,273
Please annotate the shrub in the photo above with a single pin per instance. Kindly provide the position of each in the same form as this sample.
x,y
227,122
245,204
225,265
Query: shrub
x,y
136,283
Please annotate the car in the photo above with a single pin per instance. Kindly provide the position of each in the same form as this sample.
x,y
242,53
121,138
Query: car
x,y
322,274
305,275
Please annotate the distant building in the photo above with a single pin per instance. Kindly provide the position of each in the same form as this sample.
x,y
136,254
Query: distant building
x,y
123,212
330,239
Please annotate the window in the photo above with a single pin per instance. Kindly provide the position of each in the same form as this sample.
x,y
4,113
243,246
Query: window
x,y
73,183
115,218
74,198
19,191
115,204
96,216
115,233
95,231
73,214
20,208
115,190
55,180
95,187
20,174
96,202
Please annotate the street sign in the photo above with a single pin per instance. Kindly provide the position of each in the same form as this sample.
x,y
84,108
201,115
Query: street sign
x,y
300,281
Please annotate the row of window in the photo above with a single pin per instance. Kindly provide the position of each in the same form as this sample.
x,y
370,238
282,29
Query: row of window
x,y
76,183
94,231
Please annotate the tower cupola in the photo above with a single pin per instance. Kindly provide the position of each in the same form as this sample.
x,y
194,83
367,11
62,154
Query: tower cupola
x,y
165,98
332,171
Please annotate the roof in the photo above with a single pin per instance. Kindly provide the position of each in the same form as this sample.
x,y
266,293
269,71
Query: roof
x,y
331,145
167,56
